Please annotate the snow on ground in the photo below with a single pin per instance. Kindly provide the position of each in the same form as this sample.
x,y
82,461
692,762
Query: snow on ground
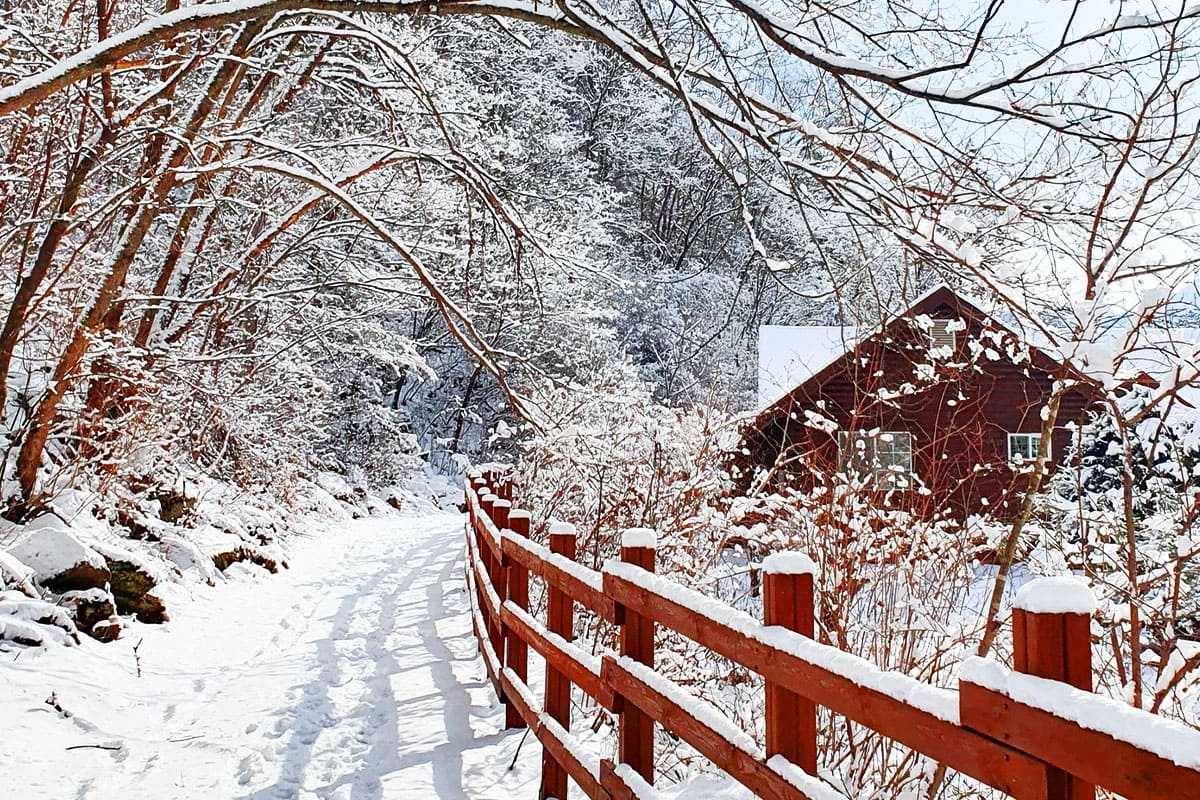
x,y
352,675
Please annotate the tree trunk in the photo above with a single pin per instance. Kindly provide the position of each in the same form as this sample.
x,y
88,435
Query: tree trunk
x,y
29,458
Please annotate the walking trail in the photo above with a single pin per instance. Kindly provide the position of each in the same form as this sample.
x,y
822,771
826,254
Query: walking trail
x,y
353,675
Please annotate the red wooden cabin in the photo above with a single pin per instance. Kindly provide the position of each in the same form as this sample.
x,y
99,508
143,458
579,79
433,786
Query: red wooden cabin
x,y
935,411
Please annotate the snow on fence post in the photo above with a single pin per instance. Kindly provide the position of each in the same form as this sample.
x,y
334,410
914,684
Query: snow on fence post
x,y
560,619
791,720
1052,639
517,583
635,736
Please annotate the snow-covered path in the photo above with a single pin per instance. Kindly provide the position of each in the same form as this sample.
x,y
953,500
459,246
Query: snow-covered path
x,y
351,675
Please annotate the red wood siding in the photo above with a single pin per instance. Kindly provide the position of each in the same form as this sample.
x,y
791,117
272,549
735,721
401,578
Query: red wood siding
x,y
959,422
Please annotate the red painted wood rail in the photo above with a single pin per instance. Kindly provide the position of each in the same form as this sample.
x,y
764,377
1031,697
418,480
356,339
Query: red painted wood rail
x,y
998,728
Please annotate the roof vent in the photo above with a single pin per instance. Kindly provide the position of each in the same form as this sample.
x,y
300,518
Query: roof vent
x,y
941,335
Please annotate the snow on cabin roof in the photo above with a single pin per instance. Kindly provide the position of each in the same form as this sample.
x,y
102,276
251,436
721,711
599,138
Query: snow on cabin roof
x,y
788,355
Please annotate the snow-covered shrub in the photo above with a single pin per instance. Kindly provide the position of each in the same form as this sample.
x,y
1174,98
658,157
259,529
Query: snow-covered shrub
x,y
613,459
894,589
368,441
1126,514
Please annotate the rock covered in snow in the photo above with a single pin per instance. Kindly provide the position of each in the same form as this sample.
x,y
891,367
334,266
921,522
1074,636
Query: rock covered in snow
x,y
187,557
16,575
61,562
34,623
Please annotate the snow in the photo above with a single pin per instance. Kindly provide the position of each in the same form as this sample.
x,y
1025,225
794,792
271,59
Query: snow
x,y
16,574
1061,594
636,783
489,527
187,557
788,355
48,547
588,577
571,743
590,662
17,629
353,674
639,537
1167,738
558,527
27,620
708,715
811,786
83,63
789,563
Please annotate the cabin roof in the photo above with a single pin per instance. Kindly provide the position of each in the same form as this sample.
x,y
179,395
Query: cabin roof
x,y
823,353
788,355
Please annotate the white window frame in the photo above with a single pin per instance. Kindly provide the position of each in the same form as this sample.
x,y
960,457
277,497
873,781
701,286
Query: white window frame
x,y
1027,438
890,475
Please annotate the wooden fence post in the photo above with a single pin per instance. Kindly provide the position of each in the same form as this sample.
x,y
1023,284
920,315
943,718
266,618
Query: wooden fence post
x,y
517,581
1052,639
635,736
485,499
560,619
791,720
496,572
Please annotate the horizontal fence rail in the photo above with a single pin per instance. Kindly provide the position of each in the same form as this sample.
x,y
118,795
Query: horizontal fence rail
x,y
1034,733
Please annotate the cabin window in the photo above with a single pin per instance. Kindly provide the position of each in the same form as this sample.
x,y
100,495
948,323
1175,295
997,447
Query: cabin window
x,y
883,456
941,336
1024,446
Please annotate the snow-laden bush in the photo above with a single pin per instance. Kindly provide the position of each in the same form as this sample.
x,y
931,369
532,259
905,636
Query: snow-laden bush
x,y
1125,513
368,441
896,590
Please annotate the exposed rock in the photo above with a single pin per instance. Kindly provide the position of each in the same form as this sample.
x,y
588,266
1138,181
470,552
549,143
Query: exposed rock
x,y
395,502
148,609
223,560
173,505
137,525
94,612
61,561
107,631
130,586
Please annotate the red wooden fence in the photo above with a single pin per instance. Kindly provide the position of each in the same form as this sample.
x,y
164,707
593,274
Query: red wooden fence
x,y
1034,733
